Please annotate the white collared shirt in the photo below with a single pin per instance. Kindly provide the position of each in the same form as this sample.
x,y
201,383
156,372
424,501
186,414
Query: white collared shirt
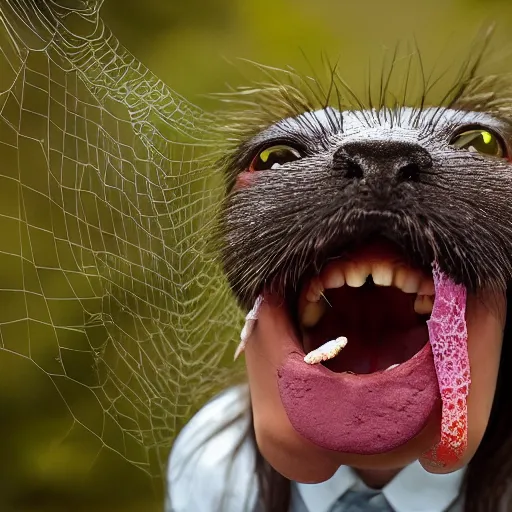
x,y
210,477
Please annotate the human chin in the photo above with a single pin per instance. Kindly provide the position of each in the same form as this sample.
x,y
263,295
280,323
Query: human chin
x,y
310,419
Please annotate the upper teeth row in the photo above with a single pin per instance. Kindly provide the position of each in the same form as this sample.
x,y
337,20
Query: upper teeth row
x,y
354,274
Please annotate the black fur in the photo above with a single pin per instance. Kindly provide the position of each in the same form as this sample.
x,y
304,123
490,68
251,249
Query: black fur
x,y
453,207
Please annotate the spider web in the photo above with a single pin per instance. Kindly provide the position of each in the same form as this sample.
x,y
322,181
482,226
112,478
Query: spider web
x,y
108,284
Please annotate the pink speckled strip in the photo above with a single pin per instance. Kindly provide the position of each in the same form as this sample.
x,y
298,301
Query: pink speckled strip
x,y
448,338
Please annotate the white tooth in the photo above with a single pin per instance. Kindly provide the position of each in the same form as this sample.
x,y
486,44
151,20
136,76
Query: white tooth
x,y
423,304
356,274
315,291
327,351
333,277
382,274
412,282
312,313
391,367
426,287
399,277
407,280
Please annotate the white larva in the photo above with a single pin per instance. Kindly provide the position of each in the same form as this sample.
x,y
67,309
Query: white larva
x,y
327,351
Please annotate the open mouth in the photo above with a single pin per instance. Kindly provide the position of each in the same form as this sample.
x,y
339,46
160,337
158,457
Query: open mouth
x,y
370,352
376,301
383,388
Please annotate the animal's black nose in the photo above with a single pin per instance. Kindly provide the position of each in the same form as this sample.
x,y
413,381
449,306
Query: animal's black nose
x,y
390,159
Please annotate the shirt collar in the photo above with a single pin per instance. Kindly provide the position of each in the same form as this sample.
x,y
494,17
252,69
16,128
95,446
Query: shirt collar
x,y
416,489
321,497
412,489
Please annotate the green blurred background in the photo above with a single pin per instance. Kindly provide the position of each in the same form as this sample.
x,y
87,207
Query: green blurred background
x,y
46,463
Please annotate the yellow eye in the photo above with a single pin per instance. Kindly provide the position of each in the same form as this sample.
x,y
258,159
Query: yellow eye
x,y
480,141
273,157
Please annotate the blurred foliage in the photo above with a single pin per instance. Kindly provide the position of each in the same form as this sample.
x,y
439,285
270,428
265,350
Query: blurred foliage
x,y
48,462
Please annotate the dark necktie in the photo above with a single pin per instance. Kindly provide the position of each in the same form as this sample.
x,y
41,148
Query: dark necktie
x,y
362,501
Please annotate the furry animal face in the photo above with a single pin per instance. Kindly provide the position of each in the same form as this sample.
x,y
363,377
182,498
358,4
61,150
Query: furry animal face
x,y
319,203
349,178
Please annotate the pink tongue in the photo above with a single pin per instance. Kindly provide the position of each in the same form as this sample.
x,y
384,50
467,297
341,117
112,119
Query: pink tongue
x,y
448,338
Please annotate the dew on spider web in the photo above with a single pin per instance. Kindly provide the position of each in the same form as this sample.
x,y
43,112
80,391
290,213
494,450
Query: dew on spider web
x,y
108,287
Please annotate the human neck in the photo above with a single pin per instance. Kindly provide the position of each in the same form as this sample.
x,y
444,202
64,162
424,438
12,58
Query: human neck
x,y
377,478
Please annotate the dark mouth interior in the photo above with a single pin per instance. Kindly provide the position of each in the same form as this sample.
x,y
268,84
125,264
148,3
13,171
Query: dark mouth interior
x,y
379,323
